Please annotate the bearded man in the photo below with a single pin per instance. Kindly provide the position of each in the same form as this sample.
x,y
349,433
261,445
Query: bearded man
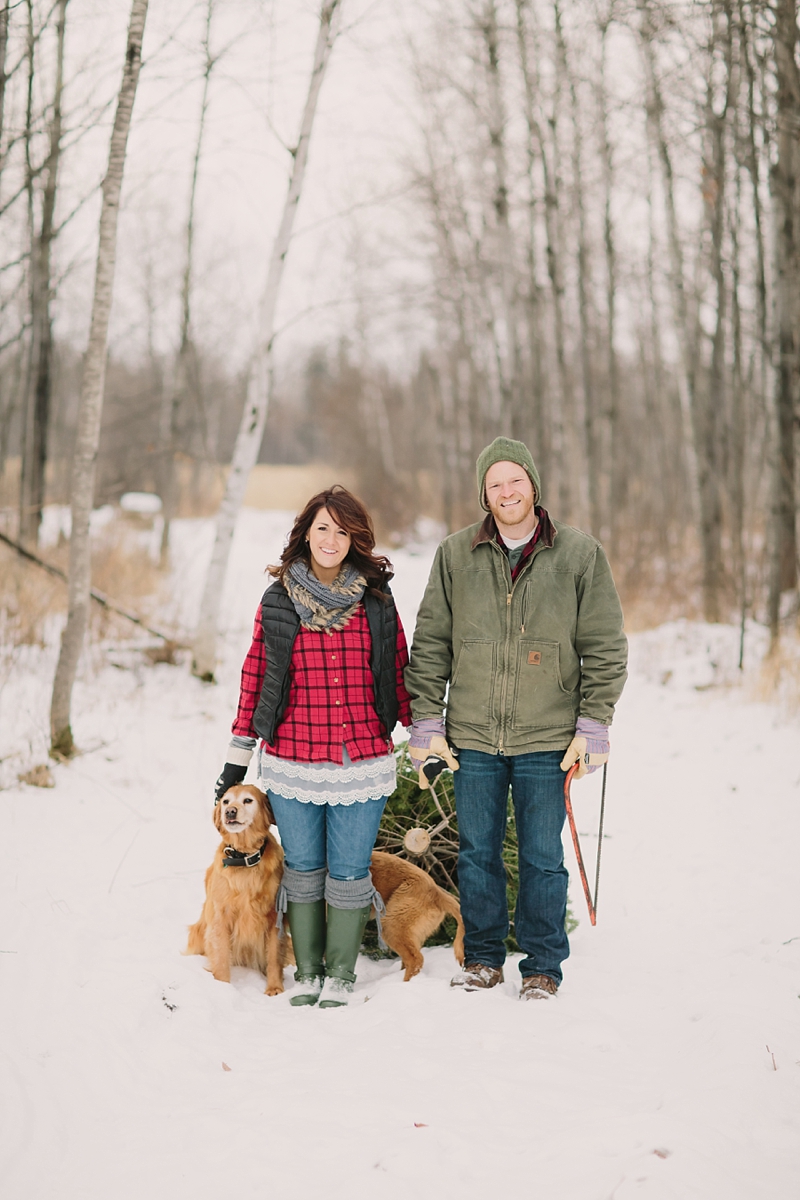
x,y
518,659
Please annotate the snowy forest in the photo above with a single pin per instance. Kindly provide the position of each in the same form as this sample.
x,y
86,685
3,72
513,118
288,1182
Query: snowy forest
x,y
251,248
585,236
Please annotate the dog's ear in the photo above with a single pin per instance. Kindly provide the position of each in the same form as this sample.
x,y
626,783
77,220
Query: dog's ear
x,y
263,800
218,816
268,810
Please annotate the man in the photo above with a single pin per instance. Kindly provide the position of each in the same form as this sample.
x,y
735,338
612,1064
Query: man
x,y
520,630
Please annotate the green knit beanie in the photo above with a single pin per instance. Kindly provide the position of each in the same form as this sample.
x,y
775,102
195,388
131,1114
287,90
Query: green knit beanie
x,y
504,449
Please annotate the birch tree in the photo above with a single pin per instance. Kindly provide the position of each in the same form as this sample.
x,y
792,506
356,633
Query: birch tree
x,y
91,400
251,429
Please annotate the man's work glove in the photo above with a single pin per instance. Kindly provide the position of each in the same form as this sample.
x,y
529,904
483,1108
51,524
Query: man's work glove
x,y
240,751
590,747
427,740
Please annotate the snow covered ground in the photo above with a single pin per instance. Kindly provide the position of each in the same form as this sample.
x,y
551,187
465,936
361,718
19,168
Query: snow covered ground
x,y
667,1067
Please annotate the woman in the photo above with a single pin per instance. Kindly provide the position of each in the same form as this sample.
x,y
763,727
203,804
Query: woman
x,y
322,687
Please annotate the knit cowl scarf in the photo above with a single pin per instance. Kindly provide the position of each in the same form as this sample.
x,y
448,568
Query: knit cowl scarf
x,y
323,606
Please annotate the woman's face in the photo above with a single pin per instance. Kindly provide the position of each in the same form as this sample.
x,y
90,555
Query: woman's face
x,y
329,544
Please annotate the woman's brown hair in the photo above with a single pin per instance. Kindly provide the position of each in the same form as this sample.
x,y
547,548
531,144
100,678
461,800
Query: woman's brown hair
x,y
351,515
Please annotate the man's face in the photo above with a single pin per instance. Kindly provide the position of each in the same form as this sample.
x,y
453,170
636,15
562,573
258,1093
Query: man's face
x,y
509,494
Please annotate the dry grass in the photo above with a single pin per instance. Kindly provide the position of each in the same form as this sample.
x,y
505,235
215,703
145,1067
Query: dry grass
x,y
124,571
30,598
778,678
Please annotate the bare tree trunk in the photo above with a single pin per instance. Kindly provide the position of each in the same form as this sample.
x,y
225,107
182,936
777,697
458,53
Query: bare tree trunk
x,y
561,408
684,334
783,184
607,495
737,466
171,400
91,401
537,423
752,163
509,356
710,418
251,429
37,401
34,288
583,459
5,14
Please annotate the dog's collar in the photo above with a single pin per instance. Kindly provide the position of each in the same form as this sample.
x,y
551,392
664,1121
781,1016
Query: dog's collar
x,y
238,858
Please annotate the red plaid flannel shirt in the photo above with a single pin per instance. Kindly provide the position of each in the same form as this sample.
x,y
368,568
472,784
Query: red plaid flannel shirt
x,y
331,694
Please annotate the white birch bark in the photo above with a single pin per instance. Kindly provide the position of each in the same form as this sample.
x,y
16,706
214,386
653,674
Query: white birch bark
x,y
91,401
251,429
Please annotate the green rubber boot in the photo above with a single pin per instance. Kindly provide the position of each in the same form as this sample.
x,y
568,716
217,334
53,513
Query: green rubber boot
x,y
342,944
307,924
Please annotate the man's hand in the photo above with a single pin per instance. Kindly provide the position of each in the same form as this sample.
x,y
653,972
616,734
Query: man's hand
x,y
427,740
590,747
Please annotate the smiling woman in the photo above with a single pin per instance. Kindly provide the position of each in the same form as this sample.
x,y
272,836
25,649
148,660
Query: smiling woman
x,y
328,544
322,688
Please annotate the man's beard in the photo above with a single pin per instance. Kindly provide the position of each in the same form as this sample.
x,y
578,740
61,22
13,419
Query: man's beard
x,y
512,516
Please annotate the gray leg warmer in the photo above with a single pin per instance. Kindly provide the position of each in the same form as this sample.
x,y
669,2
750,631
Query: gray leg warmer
x,y
356,893
301,887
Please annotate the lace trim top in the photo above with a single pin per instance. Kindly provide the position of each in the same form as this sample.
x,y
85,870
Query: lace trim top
x,y
347,782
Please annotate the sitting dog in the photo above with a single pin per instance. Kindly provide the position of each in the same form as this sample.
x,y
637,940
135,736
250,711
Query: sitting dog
x,y
238,924
415,907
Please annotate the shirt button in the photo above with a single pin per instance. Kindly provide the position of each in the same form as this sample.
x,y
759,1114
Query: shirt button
x,y
336,681
338,702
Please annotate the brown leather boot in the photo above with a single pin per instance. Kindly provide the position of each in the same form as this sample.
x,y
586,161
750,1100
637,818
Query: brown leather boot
x,y
538,987
473,976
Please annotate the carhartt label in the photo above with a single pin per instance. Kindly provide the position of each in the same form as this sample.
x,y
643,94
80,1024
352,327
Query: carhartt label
x,y
534,658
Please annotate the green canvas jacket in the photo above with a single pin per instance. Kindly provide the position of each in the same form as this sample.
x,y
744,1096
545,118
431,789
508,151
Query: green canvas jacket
x,y
523,661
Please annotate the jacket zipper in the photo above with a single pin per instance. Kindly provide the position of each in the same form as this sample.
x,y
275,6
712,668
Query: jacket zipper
x,y
506,670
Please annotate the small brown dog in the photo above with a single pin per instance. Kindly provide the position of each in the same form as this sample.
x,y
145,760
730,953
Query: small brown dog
x,y
238,924
415,907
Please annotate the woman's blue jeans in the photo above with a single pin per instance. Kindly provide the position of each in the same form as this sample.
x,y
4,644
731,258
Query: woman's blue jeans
x,y
340,837
537,790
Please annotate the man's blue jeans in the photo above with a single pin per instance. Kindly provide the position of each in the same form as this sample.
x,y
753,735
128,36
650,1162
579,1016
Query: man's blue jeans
x,y
537,789
340,837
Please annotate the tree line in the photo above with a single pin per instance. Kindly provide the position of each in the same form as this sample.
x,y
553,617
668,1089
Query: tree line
x,y
602,198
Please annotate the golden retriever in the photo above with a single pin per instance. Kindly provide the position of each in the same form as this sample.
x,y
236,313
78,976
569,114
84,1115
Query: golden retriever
x,y
238,924
415,907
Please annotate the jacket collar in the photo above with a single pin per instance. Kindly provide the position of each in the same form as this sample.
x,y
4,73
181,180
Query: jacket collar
x,y
488,530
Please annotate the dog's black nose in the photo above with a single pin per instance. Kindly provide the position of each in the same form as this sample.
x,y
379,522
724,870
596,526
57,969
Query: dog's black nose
x,y
231,813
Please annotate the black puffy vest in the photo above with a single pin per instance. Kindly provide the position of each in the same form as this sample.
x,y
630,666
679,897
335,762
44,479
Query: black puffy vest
x,y
281,624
